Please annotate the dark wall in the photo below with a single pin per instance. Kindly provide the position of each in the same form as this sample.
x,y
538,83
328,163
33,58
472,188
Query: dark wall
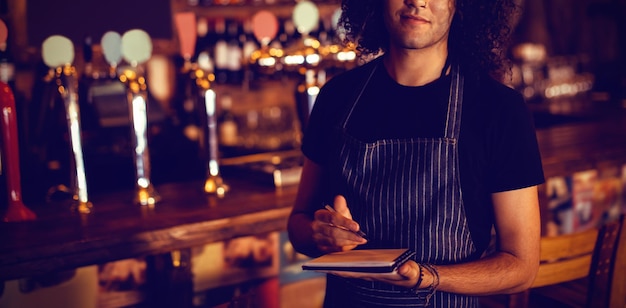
x,y
76,19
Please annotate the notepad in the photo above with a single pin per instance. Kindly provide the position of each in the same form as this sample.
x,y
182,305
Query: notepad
x,y
362,261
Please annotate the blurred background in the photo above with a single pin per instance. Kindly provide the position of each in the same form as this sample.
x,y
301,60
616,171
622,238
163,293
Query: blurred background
x,y
231,83
562,49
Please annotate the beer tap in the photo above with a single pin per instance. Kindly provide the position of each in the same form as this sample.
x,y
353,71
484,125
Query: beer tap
x,y
136,49
214,184
16,210
10,158
305,53
187,36
58,54
306,57
201,73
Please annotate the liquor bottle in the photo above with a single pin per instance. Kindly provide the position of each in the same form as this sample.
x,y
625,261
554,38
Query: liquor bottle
x,y
220,51
205,38
249,46
235,54
287,33
322,33
188,113
306,94
85,82
228,130
88,56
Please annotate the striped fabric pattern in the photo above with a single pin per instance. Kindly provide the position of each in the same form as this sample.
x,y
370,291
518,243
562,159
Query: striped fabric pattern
x,y
405,193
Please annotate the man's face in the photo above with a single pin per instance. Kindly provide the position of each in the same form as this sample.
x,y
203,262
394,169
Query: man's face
x,y
412,26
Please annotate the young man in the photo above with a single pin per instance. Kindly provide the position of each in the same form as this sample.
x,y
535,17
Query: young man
x,y
422,148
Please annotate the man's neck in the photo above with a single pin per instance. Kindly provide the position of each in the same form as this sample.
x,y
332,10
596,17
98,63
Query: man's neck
x,y
415,67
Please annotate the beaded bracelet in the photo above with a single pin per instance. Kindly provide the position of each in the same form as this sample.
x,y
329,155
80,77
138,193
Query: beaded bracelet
x,y
433,287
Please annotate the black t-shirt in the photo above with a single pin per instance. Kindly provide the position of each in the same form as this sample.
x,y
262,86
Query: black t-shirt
x,y
497,144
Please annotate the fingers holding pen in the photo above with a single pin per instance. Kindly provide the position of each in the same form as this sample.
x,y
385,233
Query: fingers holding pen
x,y
338,215
340,206
336,231
330,238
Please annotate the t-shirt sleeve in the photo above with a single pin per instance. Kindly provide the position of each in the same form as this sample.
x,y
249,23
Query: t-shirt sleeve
x,y
515,155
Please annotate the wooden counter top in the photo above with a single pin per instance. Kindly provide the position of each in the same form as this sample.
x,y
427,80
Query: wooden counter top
x,y
116,229
186,217
587,142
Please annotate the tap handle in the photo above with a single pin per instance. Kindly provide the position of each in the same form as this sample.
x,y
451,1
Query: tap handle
x,y
111,43
187,34
214,183
10,161
264,27
16,210
305,16
58,53
137,49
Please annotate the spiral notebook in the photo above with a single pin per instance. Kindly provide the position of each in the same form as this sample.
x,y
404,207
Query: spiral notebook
x,y
363,261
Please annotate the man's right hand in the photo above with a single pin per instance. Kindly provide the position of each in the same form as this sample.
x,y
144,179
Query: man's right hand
x,y
334,232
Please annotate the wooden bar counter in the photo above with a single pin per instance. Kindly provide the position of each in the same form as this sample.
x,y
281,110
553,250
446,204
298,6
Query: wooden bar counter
x,y
186,217
116,229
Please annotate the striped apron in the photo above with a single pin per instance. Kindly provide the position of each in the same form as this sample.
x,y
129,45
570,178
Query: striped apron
x,y
405,193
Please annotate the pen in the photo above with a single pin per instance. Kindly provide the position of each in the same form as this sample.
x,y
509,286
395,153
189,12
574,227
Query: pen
x,y
359,233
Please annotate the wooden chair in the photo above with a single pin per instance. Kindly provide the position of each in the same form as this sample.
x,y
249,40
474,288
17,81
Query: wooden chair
x,y
596,255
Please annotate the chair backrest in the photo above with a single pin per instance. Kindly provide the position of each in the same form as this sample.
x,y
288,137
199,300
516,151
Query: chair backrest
x,y
602,272
594,253
618,286
565,257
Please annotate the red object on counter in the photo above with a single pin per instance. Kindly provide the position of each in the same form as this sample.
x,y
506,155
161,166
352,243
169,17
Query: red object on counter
x,y
16,210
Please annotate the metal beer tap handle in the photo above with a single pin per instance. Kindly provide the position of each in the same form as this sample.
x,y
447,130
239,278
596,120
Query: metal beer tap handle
x,y
58,53
136,49
201,73
214,183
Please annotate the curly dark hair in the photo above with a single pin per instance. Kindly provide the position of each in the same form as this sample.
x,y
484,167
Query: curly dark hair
x,y
479,35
